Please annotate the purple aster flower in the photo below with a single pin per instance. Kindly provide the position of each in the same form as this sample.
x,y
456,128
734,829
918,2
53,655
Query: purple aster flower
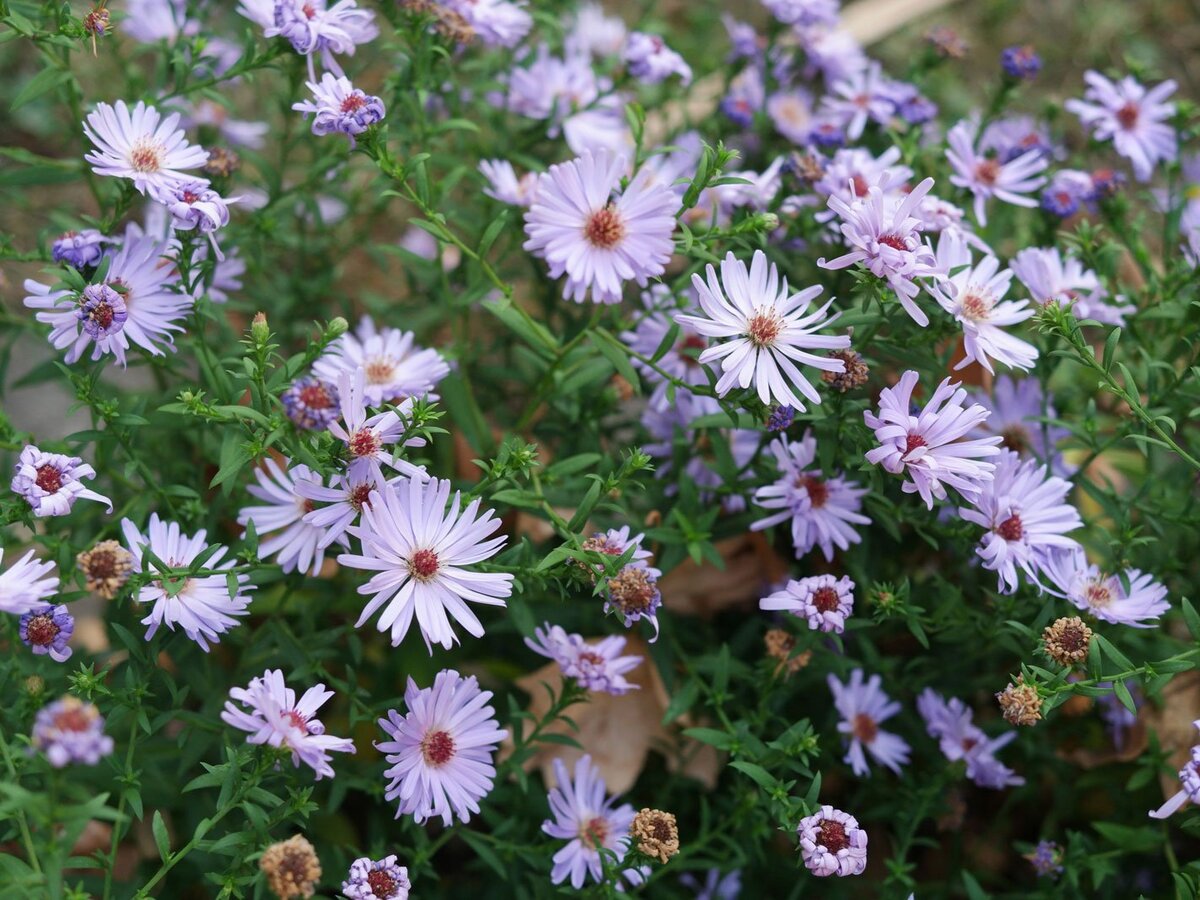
x,y
239,132
597,666
227,272
1132,117
1052,278
950,723
503,184
831,51
594,32
757,194
857,98
1013,136
1015,406
831,843
745,97
1189,780
1026,515
395,368
1046,859
938,216
827,134
71,730
272,715
792,114
650,60
780,418
140,145
419,552
379,879
850,172
366,436
311,403
339,107
1021,62
45,630
824,601
553,87
744,41
599,241
715,886
497,23
441,751
80,249
763,330
986,176
616,542
1067,191
884,236
1134,598
345,497
282,525
822,510
862,707
150,21
973,293
585,818
312,28
804,12
193,205
201,605
1106,183
102,311
52,482
633,593
26,584
910,104
929,447
680,361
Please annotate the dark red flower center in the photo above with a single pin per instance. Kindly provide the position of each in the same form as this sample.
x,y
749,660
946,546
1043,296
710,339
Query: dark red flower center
x,y
913,441
860,186
354,103
1127,115
424,565
189,197
41,630
818,492
825,599
1011,529
145,157
73,718
365,442
296,720
832,835
595,832
360,496
310,11
987,171
604,228
315,396
49,478
438,748
382,884
894,241
865,728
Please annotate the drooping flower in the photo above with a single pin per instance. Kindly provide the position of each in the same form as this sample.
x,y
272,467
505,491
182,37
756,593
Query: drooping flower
x,y
282,524
313,28
46,629
366,436
763,331
379,879
395,368
71,730
1132,117
419,553
25,585
1024,510
1053,278
441,751
1132,598
80,249
1189,782
585,817
1016,406
194,205
52,482
950,723
823,601
600,241
338,107
311,403
831,843
203,606
140,145
1067,641
862,707
930,448
271,714
596,665
986,176
505,186
650,60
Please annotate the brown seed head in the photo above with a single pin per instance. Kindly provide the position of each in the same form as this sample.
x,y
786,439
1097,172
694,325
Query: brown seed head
x,y
291,867
1020,703
1067,640
855,375
656,834
222,163
632,590
780,645
106,568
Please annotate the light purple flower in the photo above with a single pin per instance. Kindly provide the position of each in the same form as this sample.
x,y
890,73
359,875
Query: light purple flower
x,y
441,751
419,553
366,436
744,41
1052,278
929,447
311,403
792,114
862,707
26,584
650,60
1189,781
1024,510
1067,191
831,51
150,21
1132,598
345,498
240,132
395,368
831,843
585,818
282,525
600,241
950,723
680,361
80,249
380,879
553,87
595,33
1132,117
745,97
1015,406
71,730
339,107
987,177
311,28
597,666
497,23
140,145
822,510
823,601
201,605
503,184
850,172
45,630
1046,859
194,205
1014,136
858,98
52,482
272,715
633,593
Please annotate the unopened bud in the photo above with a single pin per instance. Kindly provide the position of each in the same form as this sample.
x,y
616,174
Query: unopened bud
x,y
259,329
337,327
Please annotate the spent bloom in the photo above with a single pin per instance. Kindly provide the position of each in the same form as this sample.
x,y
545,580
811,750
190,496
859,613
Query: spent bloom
x,y
930,447
650,60
633,593
80,249
71,730
312,404
139,144
394,366
597,666
1132,117
282,522
987,176
267,709
862,707
45,630
379,879
823,601
292,868
1131,598
25,585
1189,782
655,833
761,331
52,482
338,107
441,751
832,843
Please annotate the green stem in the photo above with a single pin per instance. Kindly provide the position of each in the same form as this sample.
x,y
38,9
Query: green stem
x,y
22,821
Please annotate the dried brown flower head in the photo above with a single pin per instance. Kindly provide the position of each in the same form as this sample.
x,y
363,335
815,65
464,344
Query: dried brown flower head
x,y
656,834
808,167
856,372
780,645
292,868
448,23
222,163
1020,703
106,568
632,590
947,43
1067,640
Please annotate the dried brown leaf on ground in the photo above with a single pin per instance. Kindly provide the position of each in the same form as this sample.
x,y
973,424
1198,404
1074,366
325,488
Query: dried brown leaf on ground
x,y
751,565
1172,722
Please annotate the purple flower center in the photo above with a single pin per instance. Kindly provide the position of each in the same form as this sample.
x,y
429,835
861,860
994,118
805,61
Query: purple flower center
x,y
832,835
825,599
41,630
382,884
49,478
424,565
438,748
102,310
604,228
1011,528
865,728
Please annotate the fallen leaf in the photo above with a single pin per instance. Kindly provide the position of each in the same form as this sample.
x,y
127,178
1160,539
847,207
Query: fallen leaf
x,y
703,590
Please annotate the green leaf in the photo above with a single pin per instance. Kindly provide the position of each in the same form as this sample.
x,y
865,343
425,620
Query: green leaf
x,y
718,739
757,774
483,850
44,81
161,839
974,891
1114,654
682,701
1192,618
614,351
1124,696
1110,348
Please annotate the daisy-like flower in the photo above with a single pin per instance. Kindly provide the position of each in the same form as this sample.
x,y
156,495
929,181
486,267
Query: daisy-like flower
x,y
884,236
366,436
505,186
52,482
1014,136
650,60
201,605
585,817
929,447
1052,278
831,843
140,145
71,730
45,630
270,713
1024,510
597,666
394,367
79,249
860,97
745,97
25,585
862,707
950,723
595,33
986,176
1016,405
311,403
139,303
851,171
311,28
419,553
763,330
441,751
1189,782
552,87
823,601
497,23
339,107
792,115
1132,598
345,498
194,205
973,293
822,510
1132,117
804,12
379,879
1067,191
600,241
283,524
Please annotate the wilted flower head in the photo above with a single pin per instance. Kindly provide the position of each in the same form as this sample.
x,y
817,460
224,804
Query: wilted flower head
x,y
831,843
854,375
1067,641
105,568
379,879
81,249
339,107
823,601
633,593
1020,703
139,144
862,706
292,868
52,482
1132,117
71,730
655,833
